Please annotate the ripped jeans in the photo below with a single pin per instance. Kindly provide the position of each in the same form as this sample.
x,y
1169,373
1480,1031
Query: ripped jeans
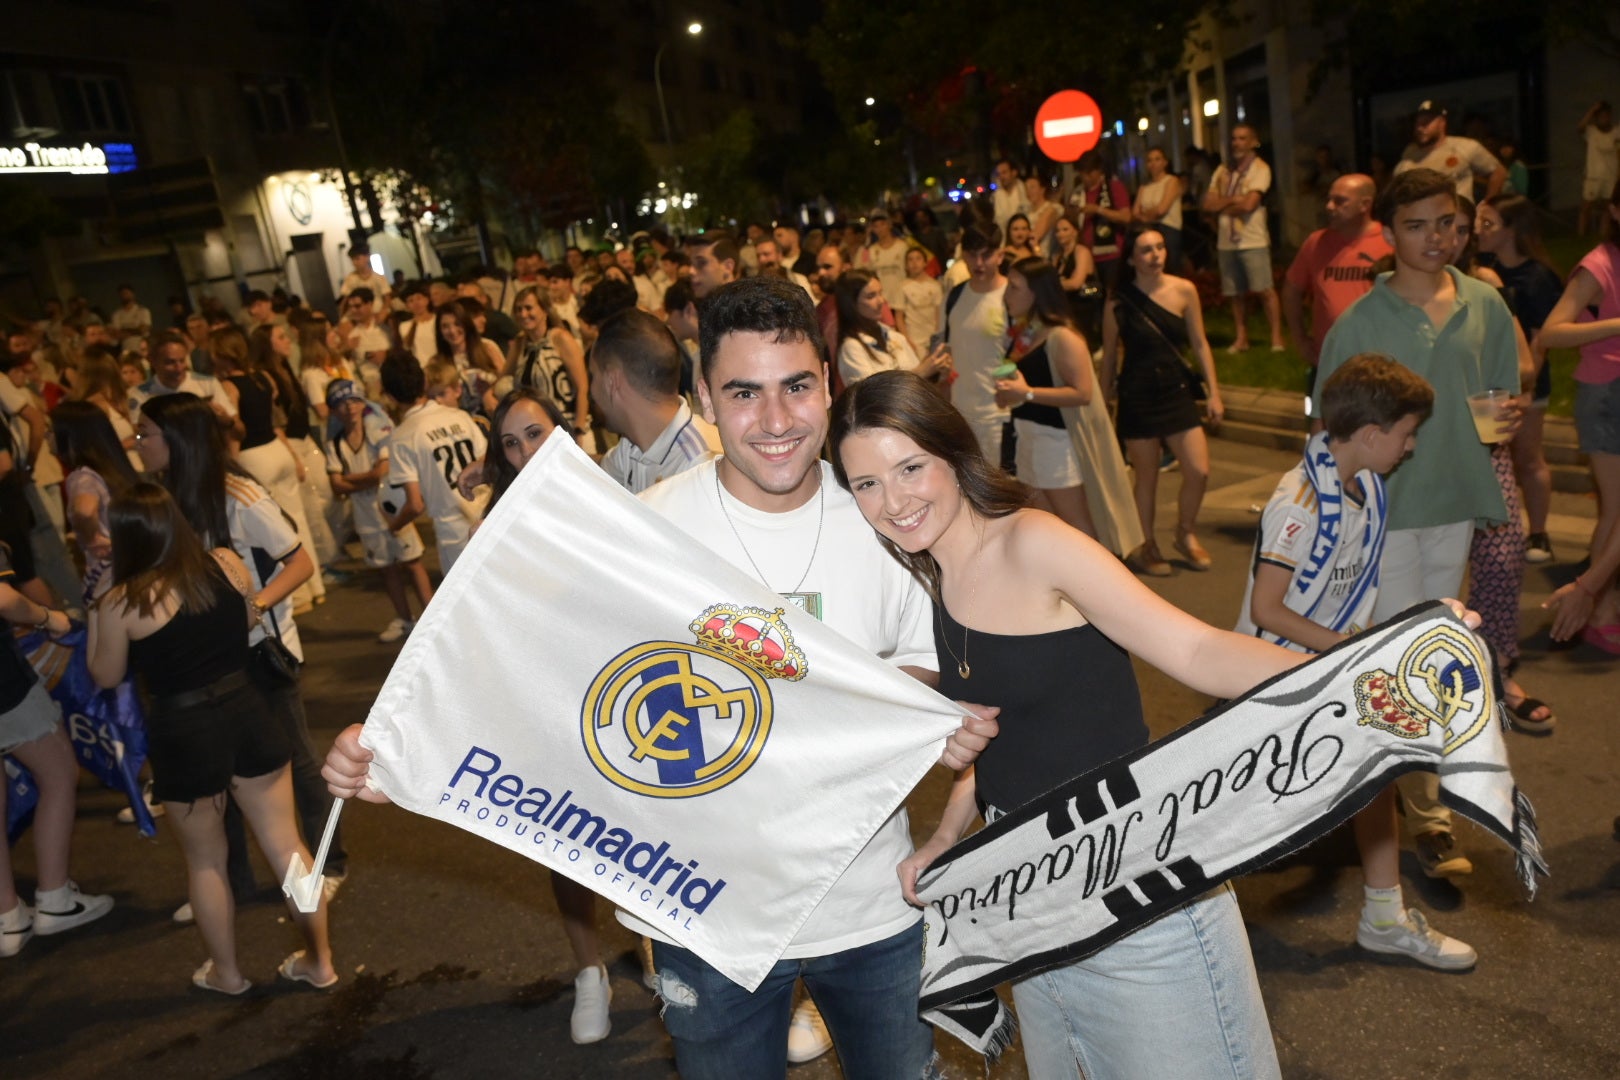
x,y
867,996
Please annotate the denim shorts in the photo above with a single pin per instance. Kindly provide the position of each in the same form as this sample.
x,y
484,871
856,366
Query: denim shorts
x,y
1245,271
1597,416
36,716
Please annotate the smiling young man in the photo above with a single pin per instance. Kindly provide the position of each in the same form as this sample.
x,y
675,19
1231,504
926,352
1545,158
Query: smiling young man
x,y
1457,333
770,507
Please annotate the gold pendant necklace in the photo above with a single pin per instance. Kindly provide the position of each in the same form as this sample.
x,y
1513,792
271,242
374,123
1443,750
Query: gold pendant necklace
x,y
962,667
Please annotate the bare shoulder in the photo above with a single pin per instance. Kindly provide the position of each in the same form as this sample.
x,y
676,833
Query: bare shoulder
x,y
1037,537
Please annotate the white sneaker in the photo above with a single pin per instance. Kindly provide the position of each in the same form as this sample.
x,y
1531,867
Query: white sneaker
x,y
67,911
396,630
16,927
1414,937
807,1035
592,995
126,816
183,914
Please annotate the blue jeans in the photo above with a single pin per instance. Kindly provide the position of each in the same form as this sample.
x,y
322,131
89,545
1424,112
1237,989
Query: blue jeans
x,y
1177,998
867,996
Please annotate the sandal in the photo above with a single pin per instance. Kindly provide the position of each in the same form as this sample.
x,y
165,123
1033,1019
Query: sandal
x,y
1193,551
289,971
1147,560
1523,715
199,979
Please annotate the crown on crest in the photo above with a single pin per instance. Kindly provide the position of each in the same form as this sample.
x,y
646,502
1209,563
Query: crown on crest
x,y
752,636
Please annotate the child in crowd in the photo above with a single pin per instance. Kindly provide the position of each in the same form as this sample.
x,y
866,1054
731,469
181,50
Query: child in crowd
x,y
429,448
357,461
1314,581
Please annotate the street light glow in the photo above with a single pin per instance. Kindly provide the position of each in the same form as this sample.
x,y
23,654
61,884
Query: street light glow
x,y
1212,107
694,28
1142,124
871,101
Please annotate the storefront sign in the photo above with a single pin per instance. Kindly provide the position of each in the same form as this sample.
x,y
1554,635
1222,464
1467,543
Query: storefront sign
x,y
86,160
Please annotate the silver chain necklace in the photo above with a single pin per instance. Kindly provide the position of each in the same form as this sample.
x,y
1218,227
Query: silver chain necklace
x,y
821,518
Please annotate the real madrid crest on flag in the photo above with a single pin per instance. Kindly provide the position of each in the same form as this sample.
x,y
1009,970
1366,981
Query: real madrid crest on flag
x,y
673,720
596,691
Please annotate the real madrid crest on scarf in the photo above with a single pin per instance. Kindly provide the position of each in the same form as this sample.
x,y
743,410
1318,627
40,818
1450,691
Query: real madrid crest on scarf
x,y
1091,861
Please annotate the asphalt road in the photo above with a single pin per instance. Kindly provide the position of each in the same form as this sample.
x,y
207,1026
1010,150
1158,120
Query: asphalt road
x,y
454,962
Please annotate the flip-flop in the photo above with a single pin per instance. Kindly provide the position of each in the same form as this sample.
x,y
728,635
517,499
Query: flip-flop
x,y
199,979
289,972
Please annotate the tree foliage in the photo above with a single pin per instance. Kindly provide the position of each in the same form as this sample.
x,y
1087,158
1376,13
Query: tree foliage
x,y
967,82
494,107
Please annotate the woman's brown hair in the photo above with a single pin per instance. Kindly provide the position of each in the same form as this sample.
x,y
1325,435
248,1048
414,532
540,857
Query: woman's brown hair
x,y
156,553
905,402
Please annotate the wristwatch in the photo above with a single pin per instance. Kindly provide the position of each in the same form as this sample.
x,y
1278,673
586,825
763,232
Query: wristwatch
x,y
1029,395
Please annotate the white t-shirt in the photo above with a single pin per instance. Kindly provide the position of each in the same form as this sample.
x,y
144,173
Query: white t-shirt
x,y
131,319
370,339
864,594
889,264
686,441
1240,232
1287,531
368,279
262,536
206,387
1456,157
1602,153
421,338
345,459
978,338
13,399
864,355
430,447
648,298
1007,202
920,302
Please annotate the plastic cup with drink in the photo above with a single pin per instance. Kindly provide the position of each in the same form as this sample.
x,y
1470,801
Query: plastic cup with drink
x,y
1486,407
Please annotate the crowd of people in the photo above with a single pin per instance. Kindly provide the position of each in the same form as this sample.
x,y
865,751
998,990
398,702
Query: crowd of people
x,y
1003,395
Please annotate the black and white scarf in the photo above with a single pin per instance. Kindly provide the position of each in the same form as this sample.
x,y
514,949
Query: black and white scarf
x,y
1261,776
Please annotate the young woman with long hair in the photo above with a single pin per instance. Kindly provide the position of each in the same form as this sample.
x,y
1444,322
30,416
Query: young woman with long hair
x,y
1078,272
178,615
546,357
101,383
865,345
1037,618
1158,203
97,470
228,508
272,348
1154,316
477,358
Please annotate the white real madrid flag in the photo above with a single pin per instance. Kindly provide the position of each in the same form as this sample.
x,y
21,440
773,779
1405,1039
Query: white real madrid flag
x,y
596,690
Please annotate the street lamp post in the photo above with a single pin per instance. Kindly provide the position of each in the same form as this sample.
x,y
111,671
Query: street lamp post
x,y
692,28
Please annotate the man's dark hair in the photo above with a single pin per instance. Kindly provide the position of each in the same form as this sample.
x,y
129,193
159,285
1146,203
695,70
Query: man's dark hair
x,y
171,337
364,295
724,245
1092,161
402,377
981,236
677,256
1413,185
679,296
558,272
574,248
661,236
257,296
757,305
607,299
415,288
1372,388
642,347
126,285
1010,163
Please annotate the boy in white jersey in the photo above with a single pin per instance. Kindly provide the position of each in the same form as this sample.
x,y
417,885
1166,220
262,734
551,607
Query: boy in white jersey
x,y
1314,581
357,461
430,447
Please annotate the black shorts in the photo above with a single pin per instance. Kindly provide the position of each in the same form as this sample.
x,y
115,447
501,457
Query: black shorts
x,y
196,749
16,532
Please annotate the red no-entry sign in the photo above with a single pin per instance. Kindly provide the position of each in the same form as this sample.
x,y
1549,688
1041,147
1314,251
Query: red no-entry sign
x,y
1067,125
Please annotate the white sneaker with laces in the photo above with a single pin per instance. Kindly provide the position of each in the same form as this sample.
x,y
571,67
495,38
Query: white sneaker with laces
x,y
66,908
396,630
808,1037
1415,938
16,927
593,993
